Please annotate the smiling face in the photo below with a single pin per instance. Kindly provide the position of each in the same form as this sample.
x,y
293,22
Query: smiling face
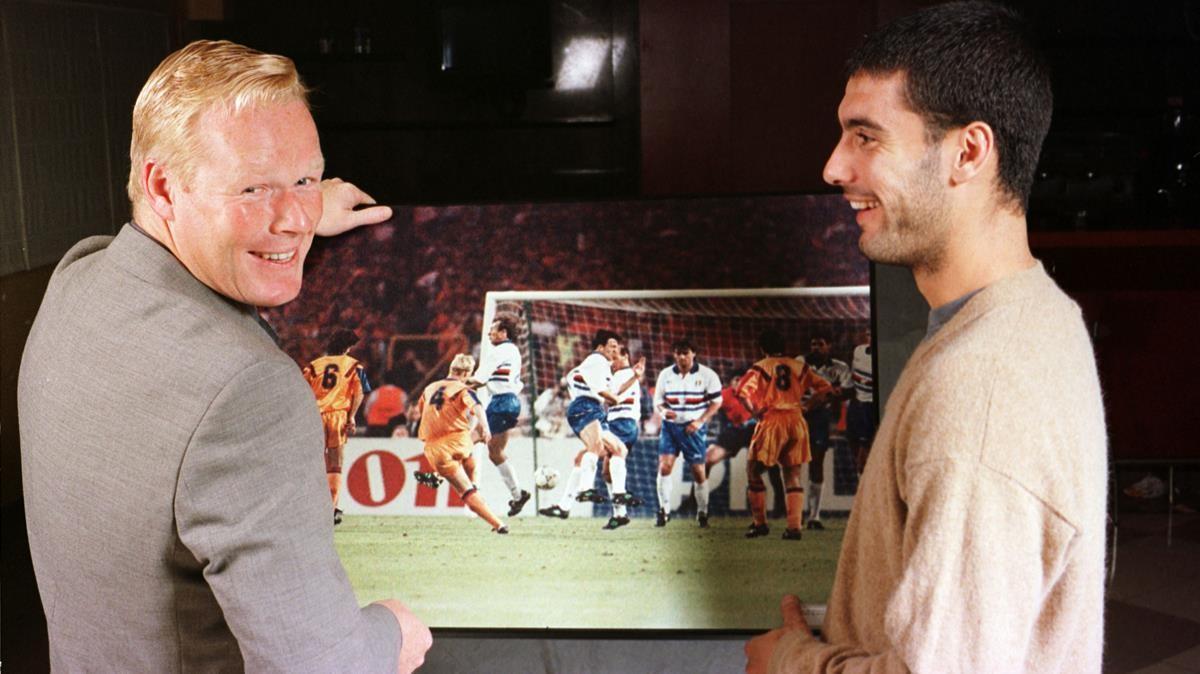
x,y
891,174
244,222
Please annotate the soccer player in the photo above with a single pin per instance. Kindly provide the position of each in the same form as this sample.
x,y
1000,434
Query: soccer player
x,y
589,389
862,418
820,416
447,409
500,371
624,420
687,395
337,380
773,392
737,427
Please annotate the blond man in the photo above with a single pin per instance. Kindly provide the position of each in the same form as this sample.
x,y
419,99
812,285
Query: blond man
x,y
448,410
170,451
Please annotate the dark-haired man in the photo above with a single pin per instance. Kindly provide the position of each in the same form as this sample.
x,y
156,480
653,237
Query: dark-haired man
x,y
339,383
687,394
774,390
589,389
976,543
820,416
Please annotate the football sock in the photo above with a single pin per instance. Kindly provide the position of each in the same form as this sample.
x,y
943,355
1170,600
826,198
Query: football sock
x,y
664,492
758,504
510,479
701,496
477,505
618,510
616,466
568,498
795,504
587,471
335,486
815,491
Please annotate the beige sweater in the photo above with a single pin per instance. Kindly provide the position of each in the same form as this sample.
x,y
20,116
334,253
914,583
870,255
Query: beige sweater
x,y
976,543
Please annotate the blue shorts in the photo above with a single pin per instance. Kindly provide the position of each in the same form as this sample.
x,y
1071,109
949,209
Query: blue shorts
x,y
583,411
502,412
626,430
673,440
861,421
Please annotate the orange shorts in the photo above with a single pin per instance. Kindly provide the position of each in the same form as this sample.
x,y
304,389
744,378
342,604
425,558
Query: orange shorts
x,y
447,452
336,428
781,436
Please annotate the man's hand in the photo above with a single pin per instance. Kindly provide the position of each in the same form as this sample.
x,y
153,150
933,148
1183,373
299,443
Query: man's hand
x,y
760,649
337,212
639,368
693,426
669,415
414,635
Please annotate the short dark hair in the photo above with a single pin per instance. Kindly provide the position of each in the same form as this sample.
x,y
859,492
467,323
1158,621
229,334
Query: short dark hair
x,y
771,342
682,345
343,340
822,335
965,62
602,337
508,324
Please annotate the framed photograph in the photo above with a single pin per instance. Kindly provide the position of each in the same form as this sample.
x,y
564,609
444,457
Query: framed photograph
x,y
716,272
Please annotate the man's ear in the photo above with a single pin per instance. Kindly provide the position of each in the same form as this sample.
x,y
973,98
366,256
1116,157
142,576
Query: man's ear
x,y
158,188
974,151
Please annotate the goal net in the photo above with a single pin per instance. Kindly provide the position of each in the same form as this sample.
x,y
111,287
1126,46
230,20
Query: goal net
x,y
724,325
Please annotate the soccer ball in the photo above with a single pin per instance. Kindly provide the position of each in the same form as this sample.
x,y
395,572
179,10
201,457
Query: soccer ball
x,y
545,477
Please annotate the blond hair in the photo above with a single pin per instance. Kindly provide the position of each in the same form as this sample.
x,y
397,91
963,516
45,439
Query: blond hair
x,y
190,81
462,364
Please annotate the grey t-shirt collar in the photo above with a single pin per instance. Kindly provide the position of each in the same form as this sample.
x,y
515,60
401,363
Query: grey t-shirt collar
x,y
942,315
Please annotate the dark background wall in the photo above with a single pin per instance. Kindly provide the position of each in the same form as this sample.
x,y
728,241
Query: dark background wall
x,y
675,97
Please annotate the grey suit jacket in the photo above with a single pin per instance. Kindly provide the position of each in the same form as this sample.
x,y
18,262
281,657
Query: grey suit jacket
x,y
178,514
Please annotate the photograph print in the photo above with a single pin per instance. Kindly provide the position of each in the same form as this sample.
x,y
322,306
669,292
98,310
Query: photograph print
x,y
612,415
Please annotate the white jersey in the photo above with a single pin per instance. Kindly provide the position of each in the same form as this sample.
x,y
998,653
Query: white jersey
x,y
629,402
500,368
687,394
590,377
863,374
836,372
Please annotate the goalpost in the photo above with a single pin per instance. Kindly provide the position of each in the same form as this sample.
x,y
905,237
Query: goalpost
x,y
724,325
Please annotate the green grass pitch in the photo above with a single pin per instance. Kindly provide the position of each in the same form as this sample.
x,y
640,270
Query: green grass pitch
x,y
570,574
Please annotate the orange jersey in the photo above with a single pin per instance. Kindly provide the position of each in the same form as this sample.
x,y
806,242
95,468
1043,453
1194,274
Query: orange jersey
x,y
778,383
445,408
335,382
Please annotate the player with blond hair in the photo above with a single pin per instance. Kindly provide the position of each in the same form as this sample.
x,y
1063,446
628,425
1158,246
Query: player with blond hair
x,y
223,556
448,410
